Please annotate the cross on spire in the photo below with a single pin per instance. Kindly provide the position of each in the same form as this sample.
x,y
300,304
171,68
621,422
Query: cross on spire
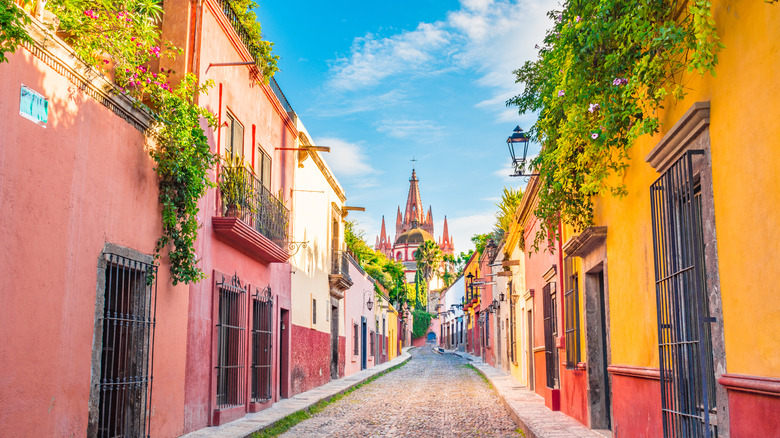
x,y
413,161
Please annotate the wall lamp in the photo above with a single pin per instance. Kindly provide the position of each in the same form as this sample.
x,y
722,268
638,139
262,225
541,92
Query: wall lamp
x,y
369,303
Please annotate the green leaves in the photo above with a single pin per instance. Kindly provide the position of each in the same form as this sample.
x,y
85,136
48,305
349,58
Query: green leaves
x,y
183,158
12,28
605,69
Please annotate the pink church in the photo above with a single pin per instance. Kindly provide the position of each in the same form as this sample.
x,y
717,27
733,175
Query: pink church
x,y
411,230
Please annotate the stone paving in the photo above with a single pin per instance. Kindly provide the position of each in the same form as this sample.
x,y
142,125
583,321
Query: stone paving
x,y
527,408
433,395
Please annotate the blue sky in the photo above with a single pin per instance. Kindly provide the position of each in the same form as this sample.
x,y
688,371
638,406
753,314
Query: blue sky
x,y
382,82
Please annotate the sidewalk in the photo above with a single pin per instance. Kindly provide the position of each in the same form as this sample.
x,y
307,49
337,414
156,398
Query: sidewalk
x,y
251,423
527,408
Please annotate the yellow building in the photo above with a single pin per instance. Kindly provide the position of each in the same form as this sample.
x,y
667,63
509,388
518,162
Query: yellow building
x,y
692,246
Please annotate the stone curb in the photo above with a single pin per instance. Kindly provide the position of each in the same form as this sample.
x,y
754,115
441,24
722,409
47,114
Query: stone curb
x,y
526,407
267,418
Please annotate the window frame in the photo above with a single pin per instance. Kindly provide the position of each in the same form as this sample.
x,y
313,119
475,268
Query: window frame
x,y
232,129
571,314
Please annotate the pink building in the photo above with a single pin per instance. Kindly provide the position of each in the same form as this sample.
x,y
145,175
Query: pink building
x,y
359,321
238,337
79,198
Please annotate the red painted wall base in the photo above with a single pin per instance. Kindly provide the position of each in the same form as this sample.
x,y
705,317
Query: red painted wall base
x,y
309,359
636,406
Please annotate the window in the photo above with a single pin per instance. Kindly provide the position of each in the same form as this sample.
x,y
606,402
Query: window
x,y
399,256
371,347
571,313
262,311
684,320
231,338
126,348
263,168
355,339
234,136
313,311
384,335
487,329
512,324
550,332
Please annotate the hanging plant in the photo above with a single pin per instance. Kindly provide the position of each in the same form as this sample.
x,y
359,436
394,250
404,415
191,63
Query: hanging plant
x,y
121,39
604,70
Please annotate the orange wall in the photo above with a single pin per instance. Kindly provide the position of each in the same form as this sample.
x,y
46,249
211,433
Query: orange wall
x,y
66,190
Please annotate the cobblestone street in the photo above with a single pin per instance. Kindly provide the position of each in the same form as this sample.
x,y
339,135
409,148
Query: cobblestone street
x,y
431,396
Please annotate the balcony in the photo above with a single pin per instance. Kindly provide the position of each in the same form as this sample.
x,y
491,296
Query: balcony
x,y
339,274
254,221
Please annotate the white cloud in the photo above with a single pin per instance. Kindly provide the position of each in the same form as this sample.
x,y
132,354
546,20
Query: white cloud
x,y
345,158
420,129
491,37
463,227
372,59
358,104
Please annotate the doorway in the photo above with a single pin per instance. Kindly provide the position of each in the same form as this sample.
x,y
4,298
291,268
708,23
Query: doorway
x,y
363,335
599,387
334,342
284,348
529,320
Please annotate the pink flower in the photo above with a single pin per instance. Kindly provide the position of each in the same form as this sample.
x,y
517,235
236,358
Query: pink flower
x,y
132,39
561,93
620,81
577,19
593,107
594,135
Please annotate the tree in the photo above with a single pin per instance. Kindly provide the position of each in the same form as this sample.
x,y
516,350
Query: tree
x,y
387,272
429,259
510,200
603,71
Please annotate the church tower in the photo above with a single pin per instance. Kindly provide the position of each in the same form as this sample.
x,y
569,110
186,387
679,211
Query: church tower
x,y
414,218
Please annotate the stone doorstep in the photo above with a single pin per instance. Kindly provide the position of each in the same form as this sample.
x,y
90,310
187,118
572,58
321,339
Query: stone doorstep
x,y
527,408
251,423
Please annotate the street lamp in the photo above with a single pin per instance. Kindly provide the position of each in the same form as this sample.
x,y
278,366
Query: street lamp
x,y
491,249
470,286
518,164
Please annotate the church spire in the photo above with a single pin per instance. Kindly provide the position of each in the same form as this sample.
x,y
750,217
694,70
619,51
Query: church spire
x,y
413,214
446,239
382,244
383,233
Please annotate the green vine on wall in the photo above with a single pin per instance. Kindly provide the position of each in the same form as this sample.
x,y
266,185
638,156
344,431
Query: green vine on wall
x,y
12,31
122,39
604,70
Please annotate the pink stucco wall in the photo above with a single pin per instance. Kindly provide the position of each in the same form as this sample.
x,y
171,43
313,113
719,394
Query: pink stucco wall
x,y
266,125
65,191
354,309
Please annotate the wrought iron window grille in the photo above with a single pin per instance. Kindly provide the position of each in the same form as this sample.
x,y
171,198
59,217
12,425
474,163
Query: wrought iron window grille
x,y
571,314
127,351
550,332
231,343
684,332
262,345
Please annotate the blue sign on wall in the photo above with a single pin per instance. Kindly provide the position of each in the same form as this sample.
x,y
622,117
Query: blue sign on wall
x,y
33,106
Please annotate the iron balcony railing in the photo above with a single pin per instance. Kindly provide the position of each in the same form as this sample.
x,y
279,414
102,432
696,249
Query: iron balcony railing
x,y
340,264
254,204
280,95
